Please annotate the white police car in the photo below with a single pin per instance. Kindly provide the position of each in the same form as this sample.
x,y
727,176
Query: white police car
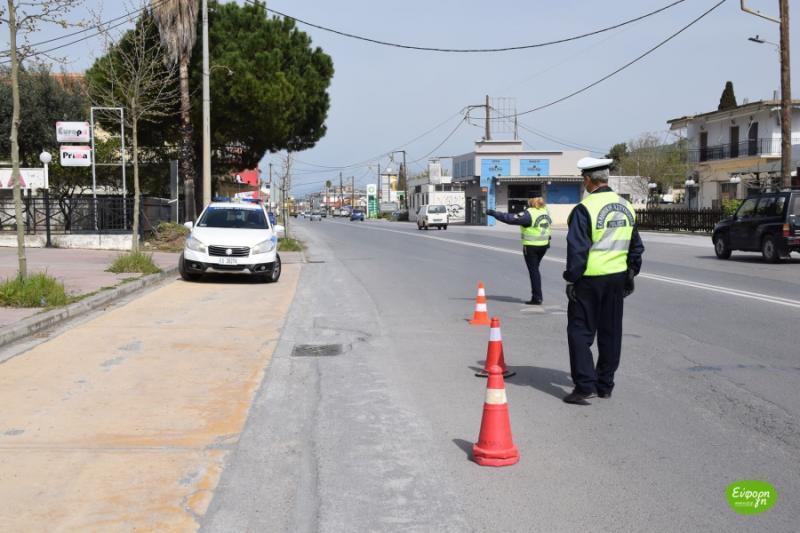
x,y
232,237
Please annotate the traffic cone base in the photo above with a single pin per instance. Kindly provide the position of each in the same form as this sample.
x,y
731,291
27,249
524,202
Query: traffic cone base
x,y
495,446
480,317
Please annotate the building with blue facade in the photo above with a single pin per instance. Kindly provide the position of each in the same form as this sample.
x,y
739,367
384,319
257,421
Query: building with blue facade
x,y
502,175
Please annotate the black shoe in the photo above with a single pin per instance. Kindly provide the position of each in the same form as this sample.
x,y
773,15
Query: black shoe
x,y
533,302
579,398
604,394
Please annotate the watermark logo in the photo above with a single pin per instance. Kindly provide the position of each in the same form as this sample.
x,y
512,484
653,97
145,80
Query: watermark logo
x,y
750,496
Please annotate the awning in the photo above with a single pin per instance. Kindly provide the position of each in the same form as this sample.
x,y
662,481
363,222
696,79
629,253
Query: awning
x,y
540,179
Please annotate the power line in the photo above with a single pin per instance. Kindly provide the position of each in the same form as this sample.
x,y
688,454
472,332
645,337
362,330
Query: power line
x,y
623,67
468,50
383,154
557,140
86,38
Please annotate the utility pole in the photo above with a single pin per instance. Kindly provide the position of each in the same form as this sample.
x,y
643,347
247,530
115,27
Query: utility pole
x,y
206,112
786,98
786,90
341,193
488,131
352,193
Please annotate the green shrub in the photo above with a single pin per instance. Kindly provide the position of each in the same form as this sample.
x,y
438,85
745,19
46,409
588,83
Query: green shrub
x,y
134,262
289,245
37,290
729,207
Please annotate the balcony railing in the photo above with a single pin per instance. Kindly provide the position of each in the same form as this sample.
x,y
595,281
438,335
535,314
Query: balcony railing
x,y
748,148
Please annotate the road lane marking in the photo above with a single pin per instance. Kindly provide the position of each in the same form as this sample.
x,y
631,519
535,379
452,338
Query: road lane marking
x,y
655,277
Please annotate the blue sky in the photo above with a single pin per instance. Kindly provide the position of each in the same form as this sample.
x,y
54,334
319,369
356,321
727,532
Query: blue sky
x,y
384,97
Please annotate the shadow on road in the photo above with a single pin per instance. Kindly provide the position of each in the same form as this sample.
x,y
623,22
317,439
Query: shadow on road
x,y
230,279
465,446
755,259
556,383
492,298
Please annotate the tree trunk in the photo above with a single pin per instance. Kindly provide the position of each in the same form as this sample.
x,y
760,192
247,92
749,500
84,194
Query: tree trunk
x,y
15,175
136,221
187,146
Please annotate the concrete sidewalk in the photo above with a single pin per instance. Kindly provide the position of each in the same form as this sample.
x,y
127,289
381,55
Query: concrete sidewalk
x,y
81,271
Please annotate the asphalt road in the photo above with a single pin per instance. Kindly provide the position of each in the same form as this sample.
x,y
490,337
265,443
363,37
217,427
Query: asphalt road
x,y
378,437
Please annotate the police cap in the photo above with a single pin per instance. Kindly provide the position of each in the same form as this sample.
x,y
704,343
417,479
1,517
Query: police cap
x,y
588,164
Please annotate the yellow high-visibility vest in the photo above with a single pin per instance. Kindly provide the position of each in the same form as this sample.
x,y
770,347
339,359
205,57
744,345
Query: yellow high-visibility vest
x,y
613,219
538,233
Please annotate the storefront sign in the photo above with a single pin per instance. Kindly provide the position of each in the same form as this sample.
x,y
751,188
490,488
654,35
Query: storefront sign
x,y
534,167
73,132
491,168
372,200
76,156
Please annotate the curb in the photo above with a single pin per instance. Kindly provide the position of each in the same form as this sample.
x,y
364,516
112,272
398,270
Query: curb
x,y
36,323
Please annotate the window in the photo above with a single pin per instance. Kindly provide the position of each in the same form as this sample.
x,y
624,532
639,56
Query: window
x,y
795,206
734,145
703,145
747,208
727,191
771,206
765,206
231,217
752,139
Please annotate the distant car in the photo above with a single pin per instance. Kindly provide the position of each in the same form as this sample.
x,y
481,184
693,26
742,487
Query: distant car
x,y
336,212
357,215
232,237
323,214
315,215
768,223
345,212
432,215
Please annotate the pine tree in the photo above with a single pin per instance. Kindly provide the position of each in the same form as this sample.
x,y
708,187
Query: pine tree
x,y
728,99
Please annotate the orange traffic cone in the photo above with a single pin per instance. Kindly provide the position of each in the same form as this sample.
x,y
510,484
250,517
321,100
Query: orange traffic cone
x,y
495,446
495,355
481,316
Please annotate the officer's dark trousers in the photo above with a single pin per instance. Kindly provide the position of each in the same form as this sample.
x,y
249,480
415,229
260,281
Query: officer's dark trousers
x,y
596,311
533,256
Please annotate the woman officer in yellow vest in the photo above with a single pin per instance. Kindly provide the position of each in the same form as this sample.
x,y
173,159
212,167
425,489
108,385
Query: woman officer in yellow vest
x,y
604,253
535,231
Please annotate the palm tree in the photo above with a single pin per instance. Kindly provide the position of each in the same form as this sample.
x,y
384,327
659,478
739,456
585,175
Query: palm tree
x,y
177,26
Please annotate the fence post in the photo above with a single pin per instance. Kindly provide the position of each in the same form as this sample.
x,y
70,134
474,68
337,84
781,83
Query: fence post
x,y
141,220
46,193
28,221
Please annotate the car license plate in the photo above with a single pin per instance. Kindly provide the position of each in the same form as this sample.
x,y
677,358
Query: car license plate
x,y
227,260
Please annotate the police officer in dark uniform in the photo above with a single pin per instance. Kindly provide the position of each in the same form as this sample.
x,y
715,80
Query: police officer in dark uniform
x,y
535,229
604,253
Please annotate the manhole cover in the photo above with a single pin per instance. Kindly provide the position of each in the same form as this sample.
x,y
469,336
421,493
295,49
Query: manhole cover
x,y
316,350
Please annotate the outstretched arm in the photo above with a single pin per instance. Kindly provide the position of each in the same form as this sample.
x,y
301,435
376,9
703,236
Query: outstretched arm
x,y
522,218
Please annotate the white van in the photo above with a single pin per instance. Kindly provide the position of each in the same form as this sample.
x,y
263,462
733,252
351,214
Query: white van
x,y
432,215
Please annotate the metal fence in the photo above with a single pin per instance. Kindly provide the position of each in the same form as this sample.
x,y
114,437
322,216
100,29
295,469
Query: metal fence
x,y
701,220
80,214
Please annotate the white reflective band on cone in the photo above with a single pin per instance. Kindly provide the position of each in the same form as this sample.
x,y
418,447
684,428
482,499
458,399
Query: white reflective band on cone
x,y
494,334
481,292
480,307
496,396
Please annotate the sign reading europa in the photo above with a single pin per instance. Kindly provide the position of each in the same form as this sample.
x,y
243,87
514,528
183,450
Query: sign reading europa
x,y
73,132
76,156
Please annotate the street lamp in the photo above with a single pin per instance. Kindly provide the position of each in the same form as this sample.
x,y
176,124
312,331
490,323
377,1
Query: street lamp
x,y
45,158
735,179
